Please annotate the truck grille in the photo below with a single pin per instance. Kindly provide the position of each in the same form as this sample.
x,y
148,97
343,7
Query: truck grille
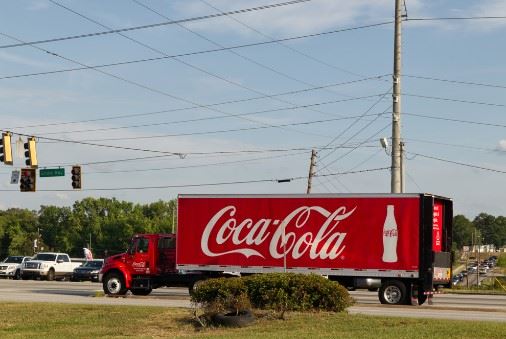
x,y
3,268
32,265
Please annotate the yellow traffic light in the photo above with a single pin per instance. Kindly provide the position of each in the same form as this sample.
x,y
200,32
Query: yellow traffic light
x,y
31,153
28,180
6,149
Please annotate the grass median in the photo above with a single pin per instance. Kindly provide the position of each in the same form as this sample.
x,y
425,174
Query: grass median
x,y
34,320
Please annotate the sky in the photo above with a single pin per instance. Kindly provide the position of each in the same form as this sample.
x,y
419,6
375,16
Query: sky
x,y
212,103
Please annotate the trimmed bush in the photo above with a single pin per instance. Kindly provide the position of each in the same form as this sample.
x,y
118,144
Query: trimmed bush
x,y
272,291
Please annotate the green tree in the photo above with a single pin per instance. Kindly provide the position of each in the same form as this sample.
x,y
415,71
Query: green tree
x,y
463,230
18,230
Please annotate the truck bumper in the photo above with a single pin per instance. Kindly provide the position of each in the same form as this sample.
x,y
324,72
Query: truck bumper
x,y
7,274
32,274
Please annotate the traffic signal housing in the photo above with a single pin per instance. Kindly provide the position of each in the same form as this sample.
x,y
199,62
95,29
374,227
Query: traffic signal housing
x,y
6,149
27,182
76,177
31,153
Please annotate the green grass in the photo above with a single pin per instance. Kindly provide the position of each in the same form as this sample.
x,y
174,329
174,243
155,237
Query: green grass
x,y
21,320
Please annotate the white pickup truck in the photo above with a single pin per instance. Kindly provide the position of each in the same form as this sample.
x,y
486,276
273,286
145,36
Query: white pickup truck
x,y
49,266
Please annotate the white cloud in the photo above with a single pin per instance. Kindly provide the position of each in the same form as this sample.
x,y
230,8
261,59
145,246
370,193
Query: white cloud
x,y
502,145
308,17
38,5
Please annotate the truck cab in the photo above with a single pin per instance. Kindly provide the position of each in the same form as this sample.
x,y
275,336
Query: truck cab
x,y
149,262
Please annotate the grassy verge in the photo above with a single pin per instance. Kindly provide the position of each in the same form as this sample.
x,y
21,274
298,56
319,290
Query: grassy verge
x,y
20,320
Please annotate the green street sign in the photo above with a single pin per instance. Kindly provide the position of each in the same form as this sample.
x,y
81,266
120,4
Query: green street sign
x,y
52,172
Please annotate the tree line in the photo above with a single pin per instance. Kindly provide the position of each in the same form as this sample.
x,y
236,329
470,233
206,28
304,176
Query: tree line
x,y
102,224
485,229
106,225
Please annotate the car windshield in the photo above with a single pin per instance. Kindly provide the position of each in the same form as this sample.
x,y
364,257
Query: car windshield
x,y
14,259
93,264
45,257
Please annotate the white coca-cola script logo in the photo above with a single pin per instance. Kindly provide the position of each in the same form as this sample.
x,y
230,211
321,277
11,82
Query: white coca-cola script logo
x,y
327,243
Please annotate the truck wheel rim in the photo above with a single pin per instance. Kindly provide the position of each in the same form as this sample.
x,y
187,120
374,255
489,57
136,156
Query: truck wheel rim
x,y
113,285
392,294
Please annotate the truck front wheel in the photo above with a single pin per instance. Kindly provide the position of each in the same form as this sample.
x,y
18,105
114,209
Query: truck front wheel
x,y
50,274
393,292
114,284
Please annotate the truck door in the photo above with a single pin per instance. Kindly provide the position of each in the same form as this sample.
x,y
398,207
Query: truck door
x,y
138,260
166,255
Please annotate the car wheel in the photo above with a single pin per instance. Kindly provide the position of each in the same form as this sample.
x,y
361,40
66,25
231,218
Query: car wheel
x,y
50,275
114,284
392,292
17,275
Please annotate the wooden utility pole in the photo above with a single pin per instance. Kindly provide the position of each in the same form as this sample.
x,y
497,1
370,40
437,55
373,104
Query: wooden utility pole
x,y
311,171
397,172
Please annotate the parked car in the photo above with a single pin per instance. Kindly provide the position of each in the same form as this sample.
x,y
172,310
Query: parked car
x,y
88,271
10,267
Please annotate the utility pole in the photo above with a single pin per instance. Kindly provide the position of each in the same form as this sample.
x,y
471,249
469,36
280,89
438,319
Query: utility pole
x,y
311,171
397,173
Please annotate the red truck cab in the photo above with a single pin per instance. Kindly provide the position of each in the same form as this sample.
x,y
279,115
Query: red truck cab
x,y
149,262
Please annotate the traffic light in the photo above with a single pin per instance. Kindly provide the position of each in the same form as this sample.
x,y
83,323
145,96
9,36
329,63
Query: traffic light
x,y
31,153
6,149
28,179
76,177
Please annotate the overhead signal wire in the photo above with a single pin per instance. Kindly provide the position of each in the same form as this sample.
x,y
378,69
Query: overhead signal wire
x,y
129,29
458,163
200,69
123,116
205,184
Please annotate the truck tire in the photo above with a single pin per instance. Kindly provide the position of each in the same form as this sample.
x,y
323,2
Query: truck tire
x,y
50,274
393,292
114,284
141,291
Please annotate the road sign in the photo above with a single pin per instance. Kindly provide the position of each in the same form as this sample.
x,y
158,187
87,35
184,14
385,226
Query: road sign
x,y
52,172
15,177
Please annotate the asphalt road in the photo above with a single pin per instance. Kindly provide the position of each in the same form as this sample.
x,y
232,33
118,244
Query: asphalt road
x,y
444,306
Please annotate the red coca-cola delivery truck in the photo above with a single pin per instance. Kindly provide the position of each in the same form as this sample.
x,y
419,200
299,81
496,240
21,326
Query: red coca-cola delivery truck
x,y
399,243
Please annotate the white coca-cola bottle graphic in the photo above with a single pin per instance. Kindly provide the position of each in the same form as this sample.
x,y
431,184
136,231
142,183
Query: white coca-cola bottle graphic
x,y
390,236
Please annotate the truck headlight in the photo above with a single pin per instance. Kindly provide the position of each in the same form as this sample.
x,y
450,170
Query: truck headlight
x,y
44,266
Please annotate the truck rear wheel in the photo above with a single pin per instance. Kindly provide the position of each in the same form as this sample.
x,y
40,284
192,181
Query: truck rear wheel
x,y
393,292
114,284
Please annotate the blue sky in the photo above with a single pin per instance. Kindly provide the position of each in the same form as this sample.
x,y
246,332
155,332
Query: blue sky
x,y
291,97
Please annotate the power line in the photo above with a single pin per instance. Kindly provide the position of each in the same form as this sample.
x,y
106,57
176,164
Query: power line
x,y
457,18
243,129
453,100
455,120
458,163
453,145
188,64
151,89
216,118
123,116
453,81
128,29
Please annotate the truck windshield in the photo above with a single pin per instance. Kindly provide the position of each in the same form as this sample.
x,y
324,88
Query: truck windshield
x,y
45,257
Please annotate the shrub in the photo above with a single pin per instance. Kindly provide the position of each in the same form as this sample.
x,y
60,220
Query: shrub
x,y
272,291
296,292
